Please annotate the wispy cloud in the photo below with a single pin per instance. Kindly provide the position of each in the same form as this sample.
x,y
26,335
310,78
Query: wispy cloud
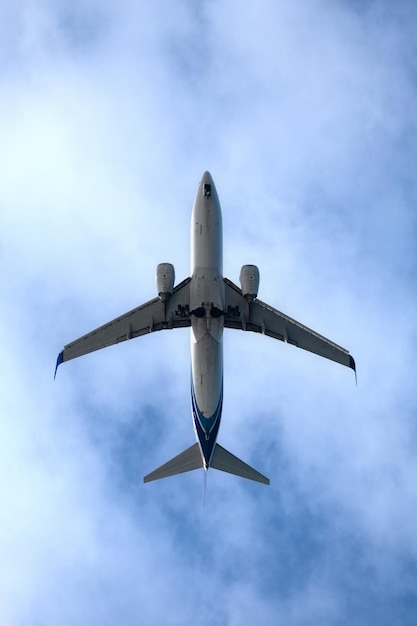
x,y
305,114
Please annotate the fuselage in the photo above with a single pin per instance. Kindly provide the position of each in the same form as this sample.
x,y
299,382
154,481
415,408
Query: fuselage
x,y
207,306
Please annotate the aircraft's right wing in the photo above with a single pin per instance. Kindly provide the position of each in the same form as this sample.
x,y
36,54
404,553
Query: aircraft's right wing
x,y
149,317
262,318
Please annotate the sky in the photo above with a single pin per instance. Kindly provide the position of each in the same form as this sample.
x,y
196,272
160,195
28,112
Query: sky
x,y
305,114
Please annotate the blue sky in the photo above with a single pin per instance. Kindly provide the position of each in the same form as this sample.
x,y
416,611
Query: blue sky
x,y
304,112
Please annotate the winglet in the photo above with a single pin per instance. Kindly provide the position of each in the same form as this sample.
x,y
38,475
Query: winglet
x,y
59,360
352,364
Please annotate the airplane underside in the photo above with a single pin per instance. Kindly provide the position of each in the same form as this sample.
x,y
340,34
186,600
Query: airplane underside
x,y
206,303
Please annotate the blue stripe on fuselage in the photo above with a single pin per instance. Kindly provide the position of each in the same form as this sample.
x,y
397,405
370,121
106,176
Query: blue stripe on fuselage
x,y
206,427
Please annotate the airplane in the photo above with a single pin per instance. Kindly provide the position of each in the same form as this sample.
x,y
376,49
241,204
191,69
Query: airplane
x,y
207,302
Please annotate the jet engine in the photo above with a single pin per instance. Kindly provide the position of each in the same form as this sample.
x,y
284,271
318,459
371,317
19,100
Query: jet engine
x,y
165,278
249,280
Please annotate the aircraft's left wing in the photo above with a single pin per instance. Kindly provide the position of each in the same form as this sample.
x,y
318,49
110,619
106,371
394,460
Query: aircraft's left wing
x,y
149,317
262,318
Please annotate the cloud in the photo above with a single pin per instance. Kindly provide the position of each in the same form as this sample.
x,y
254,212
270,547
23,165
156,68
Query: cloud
x,y
305,116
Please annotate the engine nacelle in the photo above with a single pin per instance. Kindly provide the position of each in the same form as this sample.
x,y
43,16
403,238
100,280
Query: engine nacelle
x,y
249,281
165,278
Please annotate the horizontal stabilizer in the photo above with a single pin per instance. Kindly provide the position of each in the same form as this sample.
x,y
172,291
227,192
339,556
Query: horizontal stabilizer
x,y
227,462
188,460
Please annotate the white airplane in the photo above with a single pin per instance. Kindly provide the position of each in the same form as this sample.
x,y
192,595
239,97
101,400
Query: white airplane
x,y
207,303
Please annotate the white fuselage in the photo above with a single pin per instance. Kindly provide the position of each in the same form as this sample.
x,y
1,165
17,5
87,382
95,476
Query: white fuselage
x,y
207,306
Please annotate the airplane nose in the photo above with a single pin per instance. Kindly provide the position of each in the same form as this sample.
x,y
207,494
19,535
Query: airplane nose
x,y
207,178
207,184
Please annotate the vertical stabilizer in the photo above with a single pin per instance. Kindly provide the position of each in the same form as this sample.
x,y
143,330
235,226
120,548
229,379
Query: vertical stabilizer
x,y
227,462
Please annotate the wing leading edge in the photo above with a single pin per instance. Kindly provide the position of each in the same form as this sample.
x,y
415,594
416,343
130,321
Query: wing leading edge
x,y
259,317
149,317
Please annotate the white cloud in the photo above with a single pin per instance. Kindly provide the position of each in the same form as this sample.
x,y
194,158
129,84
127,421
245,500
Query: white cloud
x,y
305,116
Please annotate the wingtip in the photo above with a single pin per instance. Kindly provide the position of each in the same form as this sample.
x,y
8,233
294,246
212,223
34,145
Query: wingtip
x,y
59,360
352,365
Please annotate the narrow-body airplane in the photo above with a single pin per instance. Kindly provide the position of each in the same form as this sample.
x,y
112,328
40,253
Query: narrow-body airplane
x,y
207,303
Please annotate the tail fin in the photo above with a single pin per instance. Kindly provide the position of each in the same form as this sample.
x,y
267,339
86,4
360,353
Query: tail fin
x,y
188,460
227,462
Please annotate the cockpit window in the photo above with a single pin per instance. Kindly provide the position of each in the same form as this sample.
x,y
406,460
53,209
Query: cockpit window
x,y
207,190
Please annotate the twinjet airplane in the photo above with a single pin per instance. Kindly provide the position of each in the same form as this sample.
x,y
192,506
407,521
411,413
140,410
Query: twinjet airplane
x,y
207,303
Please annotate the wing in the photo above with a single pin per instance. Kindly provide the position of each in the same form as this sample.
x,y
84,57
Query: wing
x,y
149,317
262,318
